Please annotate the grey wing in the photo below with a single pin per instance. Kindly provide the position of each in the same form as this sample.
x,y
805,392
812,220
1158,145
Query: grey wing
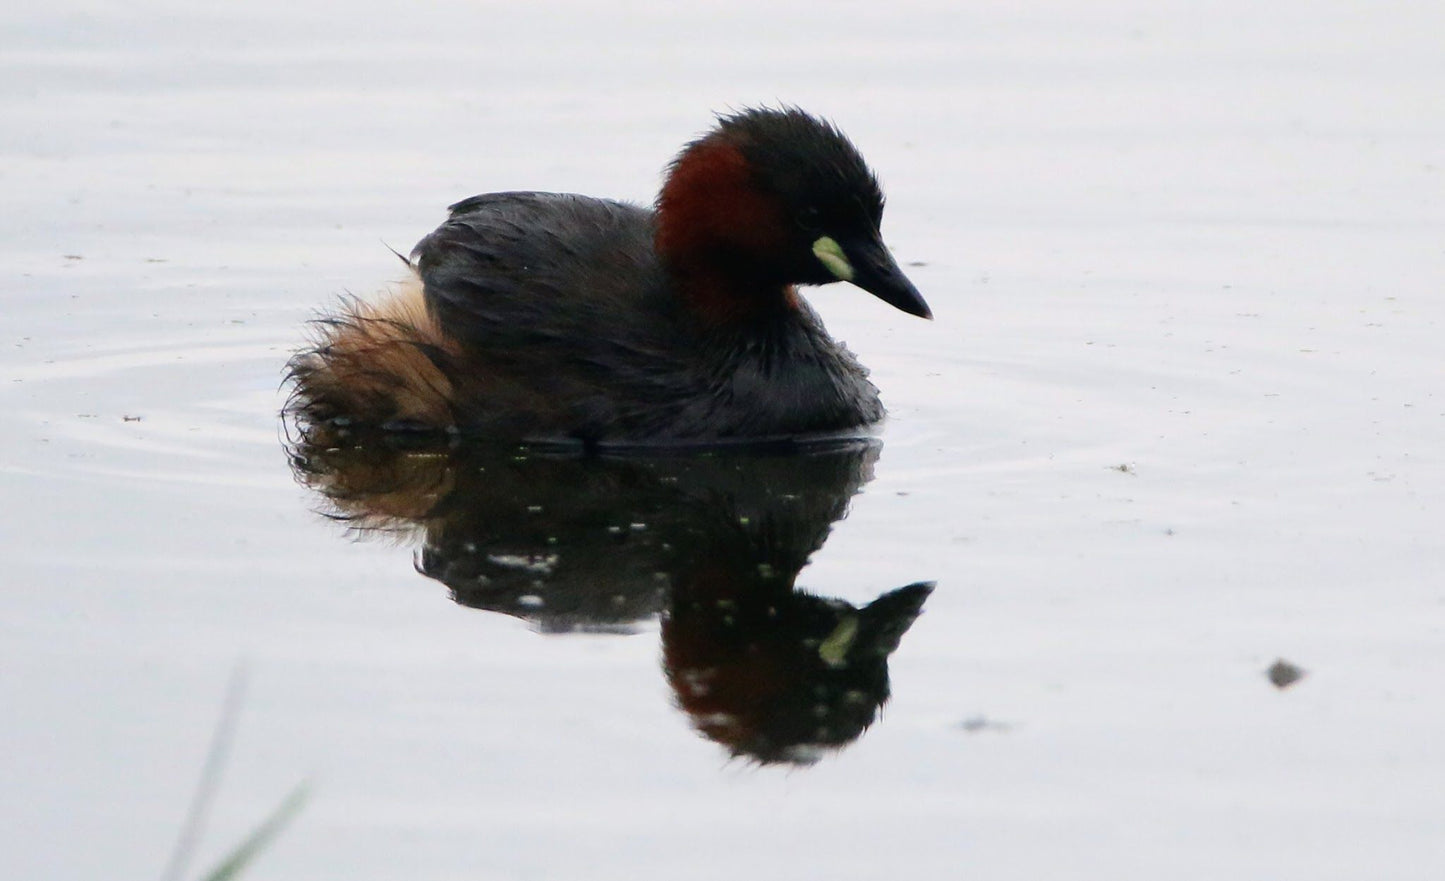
x,y
529,265
564,294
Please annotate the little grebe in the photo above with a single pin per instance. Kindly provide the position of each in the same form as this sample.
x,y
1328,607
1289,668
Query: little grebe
x,y
558,316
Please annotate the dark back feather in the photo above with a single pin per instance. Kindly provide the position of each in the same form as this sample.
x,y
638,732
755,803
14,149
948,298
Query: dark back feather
x,y
570,325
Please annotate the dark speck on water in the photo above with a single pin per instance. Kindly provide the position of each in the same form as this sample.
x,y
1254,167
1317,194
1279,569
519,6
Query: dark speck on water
x,y
1282,674
980,723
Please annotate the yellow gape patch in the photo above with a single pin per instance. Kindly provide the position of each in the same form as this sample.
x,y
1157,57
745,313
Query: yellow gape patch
x,y
831,255
834,649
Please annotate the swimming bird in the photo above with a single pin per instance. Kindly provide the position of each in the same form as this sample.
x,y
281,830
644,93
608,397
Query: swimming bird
x,y
555,316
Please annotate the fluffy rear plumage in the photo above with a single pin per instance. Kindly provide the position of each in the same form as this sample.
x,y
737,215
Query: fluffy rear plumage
x,y
381,364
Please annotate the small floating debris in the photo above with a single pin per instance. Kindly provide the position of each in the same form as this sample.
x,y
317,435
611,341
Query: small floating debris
x,y
1282,674
980,723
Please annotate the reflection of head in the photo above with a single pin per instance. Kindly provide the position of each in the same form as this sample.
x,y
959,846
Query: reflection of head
x,y
587,542
781,675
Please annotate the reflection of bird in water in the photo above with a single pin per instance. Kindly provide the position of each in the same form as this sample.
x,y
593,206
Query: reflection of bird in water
x,y
712,541
778,674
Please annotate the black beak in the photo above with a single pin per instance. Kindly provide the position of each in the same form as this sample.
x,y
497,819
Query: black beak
x,y
875,271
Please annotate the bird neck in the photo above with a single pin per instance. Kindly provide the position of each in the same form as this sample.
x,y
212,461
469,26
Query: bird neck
x,y
717,235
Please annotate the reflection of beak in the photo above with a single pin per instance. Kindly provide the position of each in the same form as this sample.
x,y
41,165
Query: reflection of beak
x,y
887,618
867,264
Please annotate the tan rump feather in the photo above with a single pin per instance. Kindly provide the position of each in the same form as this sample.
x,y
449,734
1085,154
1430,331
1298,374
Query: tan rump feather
x,y
376,364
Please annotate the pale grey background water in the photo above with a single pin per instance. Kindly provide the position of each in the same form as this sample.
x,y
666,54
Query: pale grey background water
x,y
1203,243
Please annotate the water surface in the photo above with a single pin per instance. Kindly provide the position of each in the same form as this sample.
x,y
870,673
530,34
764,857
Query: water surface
x,y
1178,416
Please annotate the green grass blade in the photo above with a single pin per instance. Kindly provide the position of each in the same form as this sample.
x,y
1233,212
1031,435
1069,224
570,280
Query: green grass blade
x,y
194,824
261,837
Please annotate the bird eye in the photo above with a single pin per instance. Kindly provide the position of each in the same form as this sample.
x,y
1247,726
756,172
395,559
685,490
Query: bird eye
x,y
809,219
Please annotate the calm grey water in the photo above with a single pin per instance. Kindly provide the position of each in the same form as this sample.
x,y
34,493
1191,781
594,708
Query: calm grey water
x,y
1179,415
